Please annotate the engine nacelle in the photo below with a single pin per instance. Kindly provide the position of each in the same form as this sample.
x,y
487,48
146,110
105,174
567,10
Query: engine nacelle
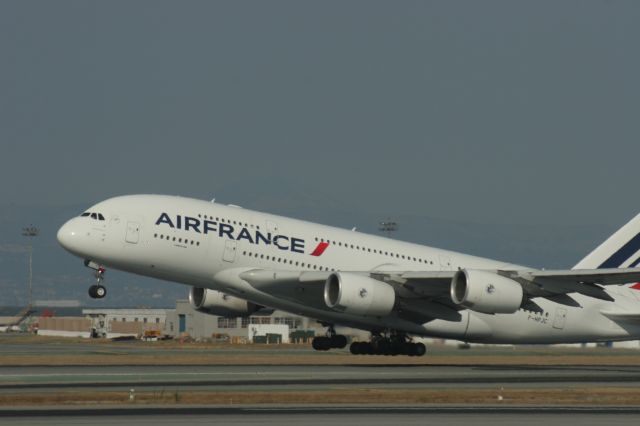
x,y
486,292
357,294
217,303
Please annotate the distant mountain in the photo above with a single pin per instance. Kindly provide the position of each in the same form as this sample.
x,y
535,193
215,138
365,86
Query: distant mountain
x,y
59,275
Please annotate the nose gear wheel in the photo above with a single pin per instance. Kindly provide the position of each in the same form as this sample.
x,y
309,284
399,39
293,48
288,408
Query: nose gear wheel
x,y
97,291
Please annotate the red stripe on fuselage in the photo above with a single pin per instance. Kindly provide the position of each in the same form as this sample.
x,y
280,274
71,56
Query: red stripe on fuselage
x,y
320,249
636,286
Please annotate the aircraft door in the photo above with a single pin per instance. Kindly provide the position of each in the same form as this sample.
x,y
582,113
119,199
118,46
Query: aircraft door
x,y
133,232
272,227
230,247
445,263
560,318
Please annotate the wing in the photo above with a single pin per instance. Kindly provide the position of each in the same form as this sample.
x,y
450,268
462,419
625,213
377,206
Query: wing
x,y
593,276
425,295
535,283
422,296
304,287
589,282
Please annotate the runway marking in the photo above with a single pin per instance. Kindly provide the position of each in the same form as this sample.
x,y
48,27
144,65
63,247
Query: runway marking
x,y
117,411
275,373
14,376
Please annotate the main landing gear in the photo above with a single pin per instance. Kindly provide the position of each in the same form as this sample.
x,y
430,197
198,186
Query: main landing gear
x,y
395,344
97,291
330,341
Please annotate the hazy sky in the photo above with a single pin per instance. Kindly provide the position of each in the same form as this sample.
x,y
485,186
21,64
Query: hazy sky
x,y
493,111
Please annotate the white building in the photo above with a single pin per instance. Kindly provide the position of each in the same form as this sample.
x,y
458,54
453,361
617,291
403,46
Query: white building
x,y
264,330
186,321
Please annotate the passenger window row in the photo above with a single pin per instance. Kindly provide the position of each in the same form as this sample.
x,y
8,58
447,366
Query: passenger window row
x,y
285,261
333,242
374,250
176,239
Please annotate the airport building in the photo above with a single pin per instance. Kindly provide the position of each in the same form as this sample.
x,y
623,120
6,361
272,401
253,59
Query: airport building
x,y
124,322
183,322
104,323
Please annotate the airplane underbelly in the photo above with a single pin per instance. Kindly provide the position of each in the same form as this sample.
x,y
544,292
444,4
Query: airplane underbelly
x,y
469,327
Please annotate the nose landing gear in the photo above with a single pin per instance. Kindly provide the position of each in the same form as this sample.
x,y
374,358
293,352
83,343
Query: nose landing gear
x,y
97,291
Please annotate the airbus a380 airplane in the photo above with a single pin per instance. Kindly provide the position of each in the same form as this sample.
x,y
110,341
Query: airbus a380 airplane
x,y
240,262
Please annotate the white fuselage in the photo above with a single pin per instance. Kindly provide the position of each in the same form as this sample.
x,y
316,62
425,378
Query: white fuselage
x,y
208,245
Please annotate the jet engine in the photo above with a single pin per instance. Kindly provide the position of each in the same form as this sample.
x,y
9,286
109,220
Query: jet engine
x,y
486,292
217,303
358,294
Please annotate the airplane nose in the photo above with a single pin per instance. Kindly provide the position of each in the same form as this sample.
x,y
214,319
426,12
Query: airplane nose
x,y
68,236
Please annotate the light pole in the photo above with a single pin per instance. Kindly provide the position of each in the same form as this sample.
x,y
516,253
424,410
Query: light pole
x,y
388,226
30,231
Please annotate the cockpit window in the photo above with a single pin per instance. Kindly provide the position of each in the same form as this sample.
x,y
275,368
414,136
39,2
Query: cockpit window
x,y
94,216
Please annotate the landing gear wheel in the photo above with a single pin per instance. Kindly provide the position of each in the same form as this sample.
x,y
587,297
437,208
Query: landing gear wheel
x,y
419,349
396,344
101,291
321,343
97,291
331,341
338,341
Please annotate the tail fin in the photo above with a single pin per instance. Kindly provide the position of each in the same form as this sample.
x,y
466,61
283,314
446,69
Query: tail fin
x,y
621,250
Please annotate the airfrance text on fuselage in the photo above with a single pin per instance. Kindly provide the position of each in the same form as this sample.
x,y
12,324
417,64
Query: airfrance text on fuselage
x,y
187,223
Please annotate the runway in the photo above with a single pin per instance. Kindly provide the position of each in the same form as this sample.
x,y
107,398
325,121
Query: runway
x,y
53,382
271,377
322,415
